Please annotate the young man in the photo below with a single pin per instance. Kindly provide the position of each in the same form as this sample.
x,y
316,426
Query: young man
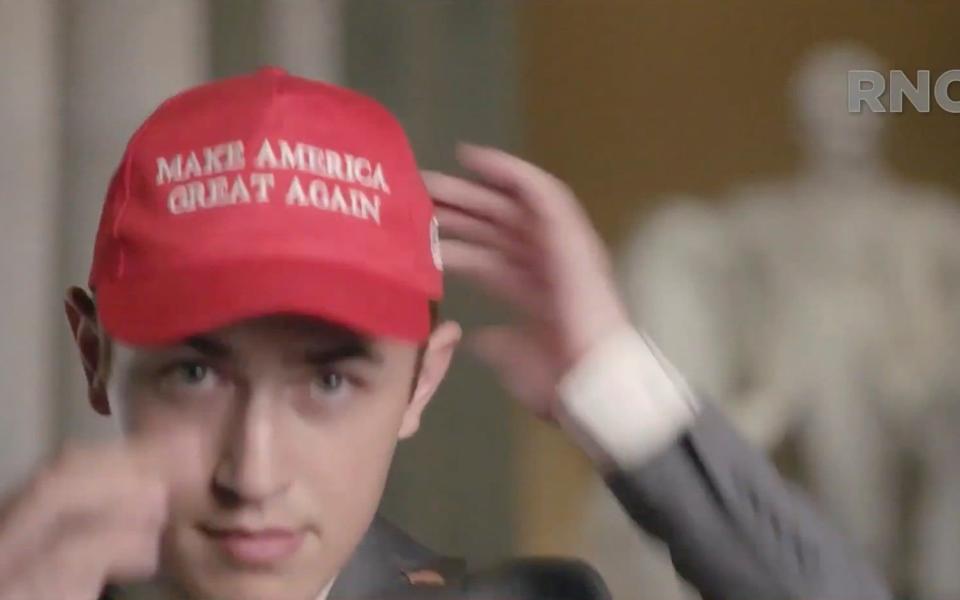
x,y
262,323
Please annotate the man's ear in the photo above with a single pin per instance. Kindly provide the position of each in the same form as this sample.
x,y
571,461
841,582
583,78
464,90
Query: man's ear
x,y
436,359
82,316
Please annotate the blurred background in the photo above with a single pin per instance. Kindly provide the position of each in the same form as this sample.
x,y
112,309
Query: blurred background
x,y
798,263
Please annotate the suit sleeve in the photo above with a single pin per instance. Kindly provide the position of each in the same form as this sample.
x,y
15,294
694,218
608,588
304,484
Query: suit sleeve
x,y
734,528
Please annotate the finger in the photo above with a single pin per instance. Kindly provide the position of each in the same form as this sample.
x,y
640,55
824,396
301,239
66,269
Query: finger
x,y
88,485
493,273
474,198
67,571
541,193
458,225
141,504
497,344
134,555
87,492
124,543
124,536
519,361
77,483
87,561
89,488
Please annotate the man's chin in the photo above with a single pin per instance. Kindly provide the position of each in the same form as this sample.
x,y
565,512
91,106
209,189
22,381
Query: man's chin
x,y
202,570
252,586
214,577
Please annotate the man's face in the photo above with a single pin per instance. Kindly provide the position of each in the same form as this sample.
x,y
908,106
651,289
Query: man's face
x,y
299,419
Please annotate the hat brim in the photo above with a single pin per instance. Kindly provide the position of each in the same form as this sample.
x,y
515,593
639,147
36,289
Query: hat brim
x,y
174,305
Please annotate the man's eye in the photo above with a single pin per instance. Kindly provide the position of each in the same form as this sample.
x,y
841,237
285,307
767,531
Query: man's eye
x,y
190,373
330,386
330,381
193,372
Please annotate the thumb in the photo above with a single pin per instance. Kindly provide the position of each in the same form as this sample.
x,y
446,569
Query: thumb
x,y
520,362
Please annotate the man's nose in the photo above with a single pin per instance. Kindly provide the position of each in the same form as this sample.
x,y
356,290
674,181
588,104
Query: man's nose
x,y
248,471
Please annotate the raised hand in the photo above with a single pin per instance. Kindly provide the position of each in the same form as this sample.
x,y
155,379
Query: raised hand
x,y
521,234
95,514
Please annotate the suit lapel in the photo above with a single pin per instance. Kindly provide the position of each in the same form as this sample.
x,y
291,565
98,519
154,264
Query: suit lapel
x,y
388,562
370,571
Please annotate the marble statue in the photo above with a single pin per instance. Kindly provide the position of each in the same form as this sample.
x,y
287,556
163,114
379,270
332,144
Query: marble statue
x,y
824,308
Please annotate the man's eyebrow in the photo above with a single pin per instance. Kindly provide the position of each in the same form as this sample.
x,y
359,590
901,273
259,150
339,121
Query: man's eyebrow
x,y
355,348
208,346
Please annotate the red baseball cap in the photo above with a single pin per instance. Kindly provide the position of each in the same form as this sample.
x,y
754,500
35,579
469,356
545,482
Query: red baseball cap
x,y
266,194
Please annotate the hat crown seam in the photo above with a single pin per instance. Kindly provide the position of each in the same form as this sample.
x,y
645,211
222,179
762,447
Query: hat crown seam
x,y
125,199
127,166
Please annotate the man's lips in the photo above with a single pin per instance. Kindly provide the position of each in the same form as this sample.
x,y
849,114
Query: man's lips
x,y
256,547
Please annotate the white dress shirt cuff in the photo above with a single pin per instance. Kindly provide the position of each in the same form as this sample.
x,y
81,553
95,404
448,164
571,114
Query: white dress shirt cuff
x,y
624,402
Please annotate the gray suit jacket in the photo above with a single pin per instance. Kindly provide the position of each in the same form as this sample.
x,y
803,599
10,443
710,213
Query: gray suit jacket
x,y
735,529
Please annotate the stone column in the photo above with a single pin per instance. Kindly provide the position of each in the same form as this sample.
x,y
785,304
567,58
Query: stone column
x,y
28,172
121,59
304,37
